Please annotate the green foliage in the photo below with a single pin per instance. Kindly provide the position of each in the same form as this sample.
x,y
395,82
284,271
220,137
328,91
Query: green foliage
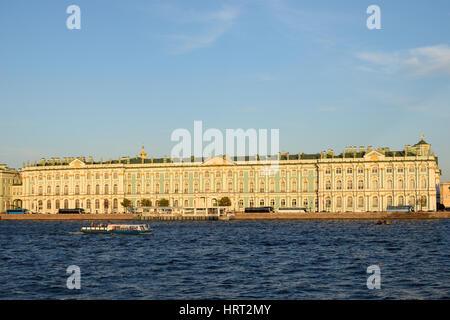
x,y
224,202
126,203
146,203
163,202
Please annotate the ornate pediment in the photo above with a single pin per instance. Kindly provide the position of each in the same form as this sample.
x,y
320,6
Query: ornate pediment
x,y
218,161
374,155
77,163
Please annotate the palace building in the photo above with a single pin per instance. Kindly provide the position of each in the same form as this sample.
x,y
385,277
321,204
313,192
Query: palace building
x,y
358,180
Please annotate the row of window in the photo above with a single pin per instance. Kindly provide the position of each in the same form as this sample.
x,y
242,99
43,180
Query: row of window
x,y
375,202
422,201
230,187
78,204
76,190
374,170
375,185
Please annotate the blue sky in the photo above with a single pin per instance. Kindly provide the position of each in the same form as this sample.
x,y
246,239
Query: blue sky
x,y
137,70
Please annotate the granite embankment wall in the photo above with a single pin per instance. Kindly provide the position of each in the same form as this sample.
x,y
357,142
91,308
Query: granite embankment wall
x,y
346,215
244,216
66,217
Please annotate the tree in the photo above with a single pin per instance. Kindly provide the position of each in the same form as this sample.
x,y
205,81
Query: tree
x,y
126,203
224,202
163,202
146,203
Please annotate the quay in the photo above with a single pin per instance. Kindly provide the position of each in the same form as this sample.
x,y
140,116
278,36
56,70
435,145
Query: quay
x,y
234,216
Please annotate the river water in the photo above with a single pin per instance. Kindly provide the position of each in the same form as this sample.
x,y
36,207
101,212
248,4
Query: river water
x,y
228,260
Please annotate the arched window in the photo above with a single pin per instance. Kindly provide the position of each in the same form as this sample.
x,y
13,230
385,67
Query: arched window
x,y
176,188
49,204
412,184
349,202
294,186
57,190
360,185
283,186
411,201
423,183
305,185
294,202
262,186
423,201
252,186
328,185
328,203
400,184
375,184
389,201
261,202
77,203
361,202
97,204
283,202
97,189
115,204
339,185
375,202
49,190
57,204
349,184
66,190
66,204
88,204
272,186
389,184
338,202
401,201
241,203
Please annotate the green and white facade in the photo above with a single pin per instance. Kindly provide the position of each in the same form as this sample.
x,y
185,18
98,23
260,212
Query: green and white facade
x,y
359,180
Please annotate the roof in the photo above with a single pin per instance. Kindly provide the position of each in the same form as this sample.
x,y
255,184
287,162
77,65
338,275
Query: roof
x,y
421,142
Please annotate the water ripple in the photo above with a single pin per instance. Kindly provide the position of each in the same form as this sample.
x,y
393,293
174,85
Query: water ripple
x,y
228,260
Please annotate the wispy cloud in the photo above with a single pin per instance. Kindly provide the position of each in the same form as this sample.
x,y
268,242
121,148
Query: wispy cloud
x,y
203,29
420,62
